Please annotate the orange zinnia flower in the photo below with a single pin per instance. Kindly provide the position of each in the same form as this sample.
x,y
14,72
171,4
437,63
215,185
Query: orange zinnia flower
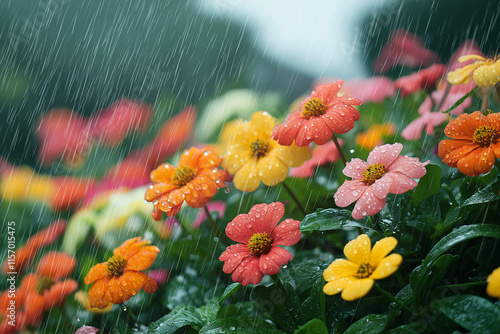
x,y
41,291
474,145
195,181
121,277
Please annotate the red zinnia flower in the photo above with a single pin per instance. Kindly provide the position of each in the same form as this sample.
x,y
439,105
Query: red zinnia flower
x,y
319,116
259,234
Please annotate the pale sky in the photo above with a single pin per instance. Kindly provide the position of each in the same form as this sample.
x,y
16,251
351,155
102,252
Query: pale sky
x,y
315,37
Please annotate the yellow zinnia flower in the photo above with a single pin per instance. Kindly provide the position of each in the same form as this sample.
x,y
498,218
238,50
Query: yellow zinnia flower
x,y
253,156
493,287
485,71
355,276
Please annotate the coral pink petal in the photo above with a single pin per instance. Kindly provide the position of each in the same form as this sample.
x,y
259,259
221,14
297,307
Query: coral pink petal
x,y
232,257
287,233
382,186
367,204
349,192
401,183
328,92
338,120
322,132
374,89
285,133
385,154
355,168
271,263
408,166
241,228
248,272
306,134
273,213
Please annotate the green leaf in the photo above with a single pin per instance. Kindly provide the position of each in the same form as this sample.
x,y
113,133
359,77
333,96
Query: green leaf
x,y
371,324
315,326
314,305
428,185
241,325
230,290
455,237
329,219
183,315
405,329
485,195
474,313
459,102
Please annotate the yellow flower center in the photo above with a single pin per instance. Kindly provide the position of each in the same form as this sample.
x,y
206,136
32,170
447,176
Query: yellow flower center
x,y
259,244
182,176
364,270
259,148
43,284
314,107
116,266
373,173
485,135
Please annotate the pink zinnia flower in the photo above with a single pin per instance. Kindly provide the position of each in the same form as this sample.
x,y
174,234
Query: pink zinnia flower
x,y
384,172
321,155
420,80
259,236
403,49
319,116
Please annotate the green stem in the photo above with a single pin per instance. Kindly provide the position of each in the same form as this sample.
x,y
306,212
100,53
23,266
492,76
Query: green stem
x,y
130,317
485,101
214,226
339,149
463,285
296,200
392,298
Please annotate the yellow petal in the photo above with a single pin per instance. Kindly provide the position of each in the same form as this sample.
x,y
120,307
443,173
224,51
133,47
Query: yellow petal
x,y
469,57
246,178
263,124
381,249
234,159
461,75
338,269
387,266
336,286
493,288
357,288
358,250
271,170
487,75
292,155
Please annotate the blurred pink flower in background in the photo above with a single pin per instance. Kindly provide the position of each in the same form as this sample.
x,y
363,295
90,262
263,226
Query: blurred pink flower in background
x,y
420,80
218,206
374,89
403,49
159,275
321,155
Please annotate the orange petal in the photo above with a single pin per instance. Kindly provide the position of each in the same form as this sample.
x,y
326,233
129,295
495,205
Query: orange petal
x,y
58,292
162,173
97,293
464,126
479,161
451,151
56,265
95,273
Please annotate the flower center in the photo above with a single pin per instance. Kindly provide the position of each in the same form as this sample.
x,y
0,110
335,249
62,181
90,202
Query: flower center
x,y
314,107
373,173
43,284
182,176
259,148
259,244
364,270
485,135
116,266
